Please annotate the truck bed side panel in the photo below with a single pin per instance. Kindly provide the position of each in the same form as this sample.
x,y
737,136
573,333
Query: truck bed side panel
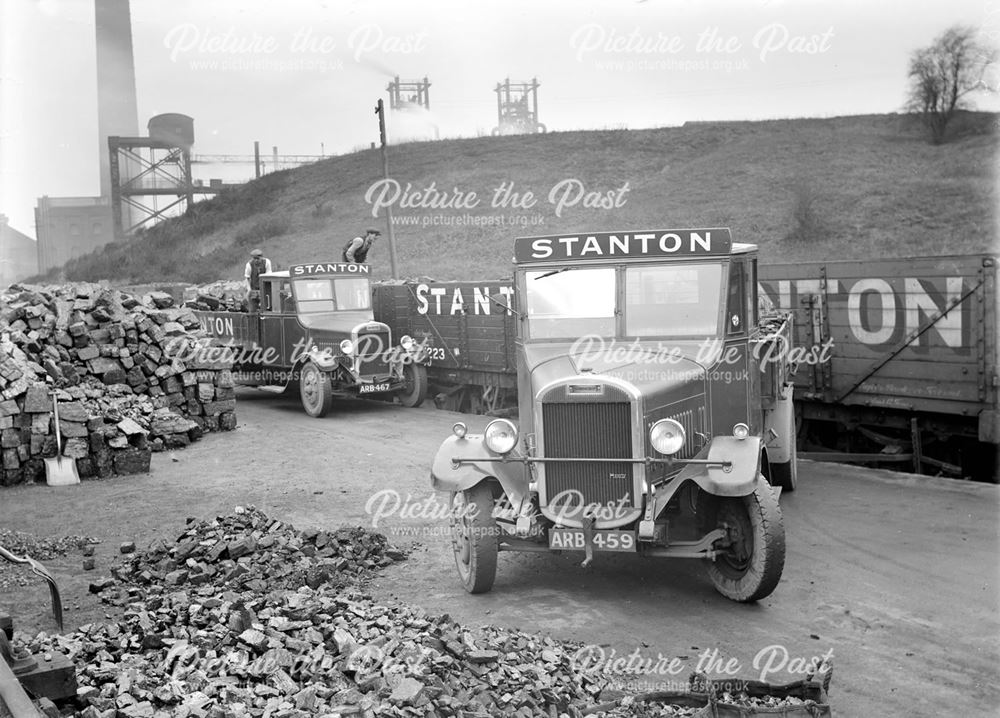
x,y
457,320
916,334
238,329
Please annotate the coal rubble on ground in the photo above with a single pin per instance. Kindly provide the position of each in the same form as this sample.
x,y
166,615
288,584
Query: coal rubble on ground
x,y
245,616
38,548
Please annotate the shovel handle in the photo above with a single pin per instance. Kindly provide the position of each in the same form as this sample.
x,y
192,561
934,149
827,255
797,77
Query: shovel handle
x,y
55,414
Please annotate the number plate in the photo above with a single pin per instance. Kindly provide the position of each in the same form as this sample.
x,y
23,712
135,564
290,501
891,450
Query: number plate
x,y
572,540
373,388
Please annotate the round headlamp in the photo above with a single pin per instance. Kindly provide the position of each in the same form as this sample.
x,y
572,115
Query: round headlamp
x,y
741,431
667,436
406,341
500,436
347,347
459,429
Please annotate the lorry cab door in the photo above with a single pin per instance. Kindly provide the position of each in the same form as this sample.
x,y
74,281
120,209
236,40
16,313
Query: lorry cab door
x,y
292,332
752,316
271,340
735,388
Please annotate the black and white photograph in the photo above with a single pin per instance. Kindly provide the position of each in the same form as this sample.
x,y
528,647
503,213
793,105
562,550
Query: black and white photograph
x,y
508,358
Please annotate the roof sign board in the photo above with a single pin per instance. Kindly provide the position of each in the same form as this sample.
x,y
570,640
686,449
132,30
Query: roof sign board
x,y
623,245
304,270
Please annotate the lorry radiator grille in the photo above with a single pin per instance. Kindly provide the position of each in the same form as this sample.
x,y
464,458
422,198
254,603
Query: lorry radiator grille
x,y
588,430
372,348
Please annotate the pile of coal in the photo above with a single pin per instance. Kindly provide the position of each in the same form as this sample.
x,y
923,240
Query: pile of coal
x,y
247,617
129,372
221,296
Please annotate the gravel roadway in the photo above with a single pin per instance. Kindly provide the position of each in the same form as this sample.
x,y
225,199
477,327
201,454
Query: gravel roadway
x,y
896,575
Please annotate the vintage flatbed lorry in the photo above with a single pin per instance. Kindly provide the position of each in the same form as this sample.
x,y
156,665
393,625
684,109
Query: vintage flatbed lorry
x,y
315,332
643,425
898,357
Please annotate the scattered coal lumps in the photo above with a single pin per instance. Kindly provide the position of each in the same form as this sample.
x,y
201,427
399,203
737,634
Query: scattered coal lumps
x,y
247,617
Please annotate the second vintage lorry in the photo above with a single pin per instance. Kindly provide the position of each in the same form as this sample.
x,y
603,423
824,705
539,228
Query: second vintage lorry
x,y
315,332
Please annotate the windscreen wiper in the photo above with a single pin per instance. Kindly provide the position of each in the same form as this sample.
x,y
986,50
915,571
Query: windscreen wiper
x,y
503,305
554,271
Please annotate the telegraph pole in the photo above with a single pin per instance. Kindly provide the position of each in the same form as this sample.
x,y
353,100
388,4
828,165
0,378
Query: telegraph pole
x,y
380,111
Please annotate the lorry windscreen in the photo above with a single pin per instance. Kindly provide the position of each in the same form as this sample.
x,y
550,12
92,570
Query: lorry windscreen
x,y
570,304
679,300
325,294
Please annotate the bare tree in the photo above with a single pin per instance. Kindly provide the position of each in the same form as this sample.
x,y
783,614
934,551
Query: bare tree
x,y
808,222
942,75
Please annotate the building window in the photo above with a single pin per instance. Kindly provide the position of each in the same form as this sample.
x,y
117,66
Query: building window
x,y
74,229
97,228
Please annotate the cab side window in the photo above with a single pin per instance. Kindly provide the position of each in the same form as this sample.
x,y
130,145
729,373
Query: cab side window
x,y
736,302
266,287
287,300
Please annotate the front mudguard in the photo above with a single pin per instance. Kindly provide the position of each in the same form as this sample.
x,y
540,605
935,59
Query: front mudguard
x,y
451,477
779,422
740,479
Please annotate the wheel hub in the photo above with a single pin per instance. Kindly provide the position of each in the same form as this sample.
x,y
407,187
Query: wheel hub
x,y
740,539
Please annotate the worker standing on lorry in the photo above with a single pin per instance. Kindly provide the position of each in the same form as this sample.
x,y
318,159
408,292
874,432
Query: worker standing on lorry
x,y
357,249
257,266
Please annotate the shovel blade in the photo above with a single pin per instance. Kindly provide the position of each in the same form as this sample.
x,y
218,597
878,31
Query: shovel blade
x,y
60,471
57,610
39,570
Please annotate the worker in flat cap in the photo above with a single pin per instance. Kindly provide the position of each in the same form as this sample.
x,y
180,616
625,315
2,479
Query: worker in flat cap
x,y
258,265
357,249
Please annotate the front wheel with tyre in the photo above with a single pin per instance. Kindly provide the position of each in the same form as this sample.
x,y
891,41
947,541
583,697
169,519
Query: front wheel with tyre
x,y
315,390
474,537
751,558
415,389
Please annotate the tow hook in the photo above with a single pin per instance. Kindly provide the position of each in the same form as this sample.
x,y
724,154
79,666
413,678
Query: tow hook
x,y
588,539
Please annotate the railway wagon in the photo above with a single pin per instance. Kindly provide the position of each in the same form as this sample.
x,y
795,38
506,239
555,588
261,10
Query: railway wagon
x,y
897,358
467,330
901,360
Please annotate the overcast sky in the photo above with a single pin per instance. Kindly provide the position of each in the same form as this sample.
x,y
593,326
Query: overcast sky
x,y
305,74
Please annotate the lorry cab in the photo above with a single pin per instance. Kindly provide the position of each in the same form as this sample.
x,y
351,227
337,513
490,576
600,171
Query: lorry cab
x,y
667,337
637,381
300,313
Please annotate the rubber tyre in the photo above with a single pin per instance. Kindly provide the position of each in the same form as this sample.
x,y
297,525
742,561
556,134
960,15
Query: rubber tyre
x,y
315,391
753,570
785,476
415,392
474,538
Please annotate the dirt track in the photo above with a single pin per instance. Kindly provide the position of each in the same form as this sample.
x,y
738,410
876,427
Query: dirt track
x,y
897,575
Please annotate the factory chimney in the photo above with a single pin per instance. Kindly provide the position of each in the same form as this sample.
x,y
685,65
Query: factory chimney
x,y
116,103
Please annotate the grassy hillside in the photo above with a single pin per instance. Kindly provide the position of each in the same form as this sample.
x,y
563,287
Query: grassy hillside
x,y
841,188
